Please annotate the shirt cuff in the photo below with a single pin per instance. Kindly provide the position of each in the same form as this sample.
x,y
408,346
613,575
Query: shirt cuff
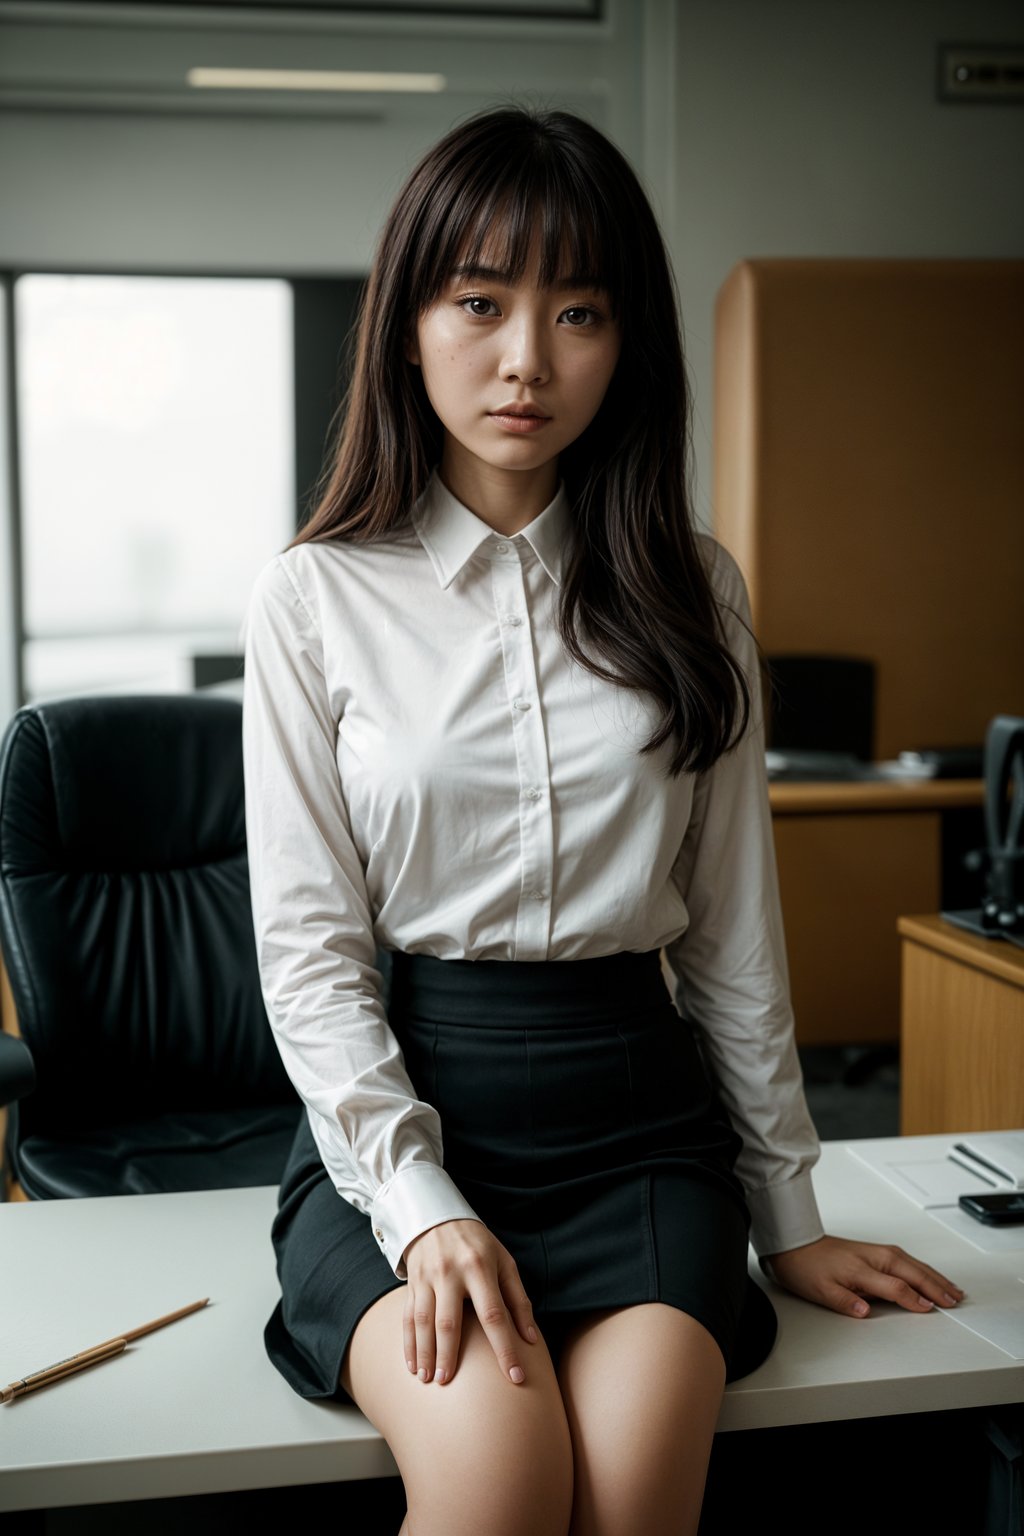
x,y
419,1196
784,1215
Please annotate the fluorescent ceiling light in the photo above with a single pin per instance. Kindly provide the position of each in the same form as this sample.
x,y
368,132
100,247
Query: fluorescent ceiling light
x,y
313,80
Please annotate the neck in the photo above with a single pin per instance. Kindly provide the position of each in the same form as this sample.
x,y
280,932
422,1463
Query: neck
x,y
505,499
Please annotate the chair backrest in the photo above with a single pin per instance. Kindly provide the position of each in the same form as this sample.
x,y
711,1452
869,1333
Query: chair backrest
x,y
125,917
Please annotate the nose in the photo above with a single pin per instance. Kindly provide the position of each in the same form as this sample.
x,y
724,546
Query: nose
x,y
525,359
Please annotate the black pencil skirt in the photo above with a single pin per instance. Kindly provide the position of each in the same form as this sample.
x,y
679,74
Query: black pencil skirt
x,y
579,1121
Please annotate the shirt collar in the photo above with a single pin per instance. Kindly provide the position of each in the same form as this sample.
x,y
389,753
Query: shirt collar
x,y
451,533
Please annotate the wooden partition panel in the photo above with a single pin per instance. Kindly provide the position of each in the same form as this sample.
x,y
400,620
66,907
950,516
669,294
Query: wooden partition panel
x,y
869,476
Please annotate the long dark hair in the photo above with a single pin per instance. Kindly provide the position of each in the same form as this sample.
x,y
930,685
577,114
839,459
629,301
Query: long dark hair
x,y
634,586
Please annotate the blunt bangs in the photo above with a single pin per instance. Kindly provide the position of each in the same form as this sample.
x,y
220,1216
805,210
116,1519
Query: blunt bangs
x,y
490,207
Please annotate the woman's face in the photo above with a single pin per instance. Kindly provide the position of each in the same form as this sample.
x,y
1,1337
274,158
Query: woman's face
x,y
486,344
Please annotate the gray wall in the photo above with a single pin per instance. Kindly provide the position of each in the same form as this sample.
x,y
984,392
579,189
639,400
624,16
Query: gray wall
x,y
118,163
811,128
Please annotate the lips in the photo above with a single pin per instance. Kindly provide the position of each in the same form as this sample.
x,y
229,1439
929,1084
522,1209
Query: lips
x,y
530,411
519,423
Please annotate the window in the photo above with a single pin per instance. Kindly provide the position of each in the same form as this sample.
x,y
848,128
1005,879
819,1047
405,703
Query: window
x,y
157,471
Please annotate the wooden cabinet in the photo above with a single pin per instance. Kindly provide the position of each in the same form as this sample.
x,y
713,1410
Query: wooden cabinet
x,y
961,1030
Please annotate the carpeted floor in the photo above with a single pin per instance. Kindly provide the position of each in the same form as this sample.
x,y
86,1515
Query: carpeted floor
x,y
852,1091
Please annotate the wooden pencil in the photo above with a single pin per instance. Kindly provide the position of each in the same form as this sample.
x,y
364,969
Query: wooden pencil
x,y
93,1356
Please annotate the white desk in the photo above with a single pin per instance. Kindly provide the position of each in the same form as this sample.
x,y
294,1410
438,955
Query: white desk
x,y
197,1407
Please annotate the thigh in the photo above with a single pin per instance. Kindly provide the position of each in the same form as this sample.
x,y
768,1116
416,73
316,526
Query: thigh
x,y
642,1387
477,1454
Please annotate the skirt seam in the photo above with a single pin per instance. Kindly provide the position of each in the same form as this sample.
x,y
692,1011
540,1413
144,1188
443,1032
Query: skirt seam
x,y
644,1190
653,1278
533,1147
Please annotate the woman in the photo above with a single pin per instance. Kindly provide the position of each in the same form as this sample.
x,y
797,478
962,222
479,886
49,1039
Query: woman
x,y
503,748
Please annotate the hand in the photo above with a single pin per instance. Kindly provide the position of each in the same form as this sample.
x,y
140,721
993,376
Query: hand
x,y
445,1264
838,1272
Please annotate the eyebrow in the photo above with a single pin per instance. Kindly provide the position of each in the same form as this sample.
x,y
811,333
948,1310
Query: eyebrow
x,y
468,272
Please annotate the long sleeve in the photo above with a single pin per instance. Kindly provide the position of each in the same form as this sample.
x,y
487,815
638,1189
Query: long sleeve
x,y
730,969
314,934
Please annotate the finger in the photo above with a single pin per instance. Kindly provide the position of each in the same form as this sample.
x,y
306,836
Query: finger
x,y
938,1286
497,1324
895,1288
409,1331
931,1284
426,1343
841,1298
448,1330
927,1282
516,1299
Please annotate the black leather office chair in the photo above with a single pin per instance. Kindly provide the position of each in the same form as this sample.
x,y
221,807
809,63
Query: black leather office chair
x,y
146,1062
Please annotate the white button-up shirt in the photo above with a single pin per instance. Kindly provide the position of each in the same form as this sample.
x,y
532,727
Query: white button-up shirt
x,y
426,770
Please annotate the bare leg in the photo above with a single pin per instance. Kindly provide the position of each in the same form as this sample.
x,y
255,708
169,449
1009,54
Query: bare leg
x,y
477,1454
642,1388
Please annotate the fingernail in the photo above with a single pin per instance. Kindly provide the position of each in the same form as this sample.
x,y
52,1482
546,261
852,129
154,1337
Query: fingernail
x,y
924,1302
411,1366
949,1298
517,1373
422,1373
860,1306
531,1334
439,1377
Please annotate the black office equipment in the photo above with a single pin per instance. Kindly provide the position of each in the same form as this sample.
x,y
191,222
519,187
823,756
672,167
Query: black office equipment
x,y
822,705
1001,914
1000,1210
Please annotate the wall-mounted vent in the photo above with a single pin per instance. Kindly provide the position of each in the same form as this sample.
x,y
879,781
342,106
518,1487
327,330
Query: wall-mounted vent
x,y
972,72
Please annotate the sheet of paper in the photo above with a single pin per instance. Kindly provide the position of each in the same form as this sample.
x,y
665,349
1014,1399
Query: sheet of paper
x,y
988,1313
988,1239
928,1177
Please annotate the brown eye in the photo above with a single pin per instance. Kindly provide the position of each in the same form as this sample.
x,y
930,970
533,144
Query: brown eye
x,y
474,298
589,317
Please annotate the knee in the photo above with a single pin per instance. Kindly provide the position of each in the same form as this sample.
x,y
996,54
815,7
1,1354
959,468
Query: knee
x,y
503,1462
532,1483
506,1478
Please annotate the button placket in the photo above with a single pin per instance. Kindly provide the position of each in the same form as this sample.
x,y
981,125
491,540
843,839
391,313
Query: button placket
x,y
511,598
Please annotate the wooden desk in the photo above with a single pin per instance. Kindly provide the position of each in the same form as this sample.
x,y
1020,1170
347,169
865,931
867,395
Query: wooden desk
x,y
852,858
197,1407
962,1029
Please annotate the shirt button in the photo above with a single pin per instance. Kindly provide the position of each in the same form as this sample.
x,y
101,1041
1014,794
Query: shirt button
x,y
537,895
534,794
378,1233
521,703
514,618
501,548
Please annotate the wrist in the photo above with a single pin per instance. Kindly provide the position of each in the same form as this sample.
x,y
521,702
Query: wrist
x,y
436,1227
767,1260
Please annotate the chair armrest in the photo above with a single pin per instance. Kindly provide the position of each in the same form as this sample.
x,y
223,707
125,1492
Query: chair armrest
x,y
17,1069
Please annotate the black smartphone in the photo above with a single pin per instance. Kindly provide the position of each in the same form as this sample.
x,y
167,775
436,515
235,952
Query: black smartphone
x,y
997,1210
